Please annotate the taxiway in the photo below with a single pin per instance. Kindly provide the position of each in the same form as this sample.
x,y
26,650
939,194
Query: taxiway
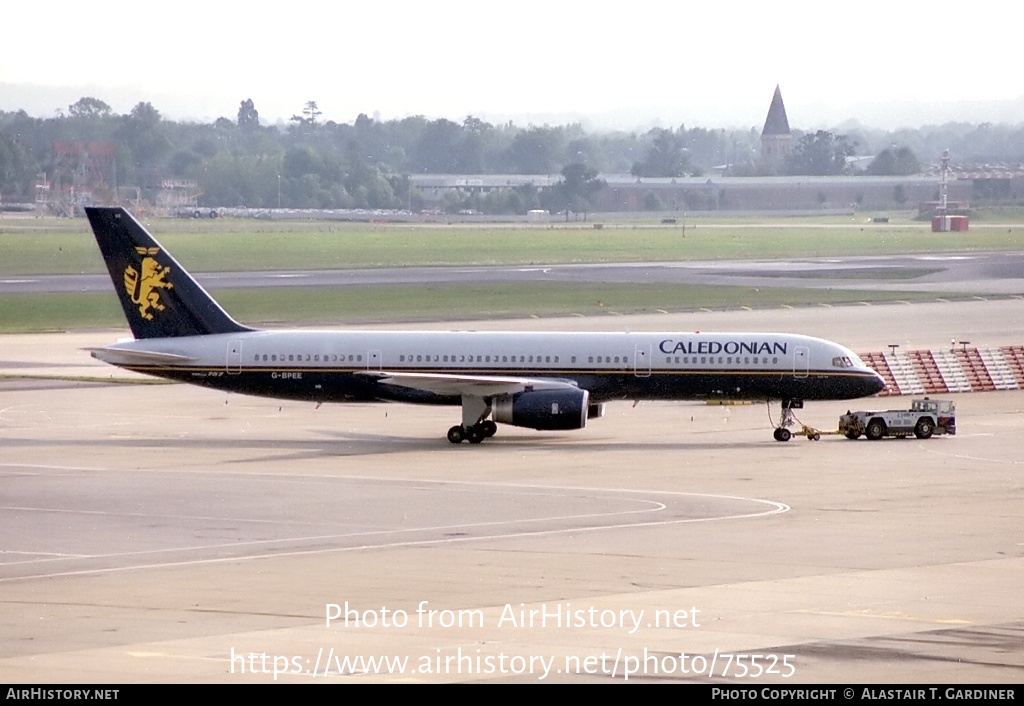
x,y
165,533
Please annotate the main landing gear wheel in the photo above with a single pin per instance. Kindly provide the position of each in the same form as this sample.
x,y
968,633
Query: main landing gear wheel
x,y
475,425
474,434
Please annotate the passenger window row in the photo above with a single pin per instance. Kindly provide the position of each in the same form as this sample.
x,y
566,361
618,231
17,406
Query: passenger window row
x,y
436,358
719,360
308,358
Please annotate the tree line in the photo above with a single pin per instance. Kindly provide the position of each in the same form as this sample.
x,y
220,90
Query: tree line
x,y
312,163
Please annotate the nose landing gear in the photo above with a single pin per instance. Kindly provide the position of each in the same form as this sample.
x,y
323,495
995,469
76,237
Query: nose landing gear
x,y
786,420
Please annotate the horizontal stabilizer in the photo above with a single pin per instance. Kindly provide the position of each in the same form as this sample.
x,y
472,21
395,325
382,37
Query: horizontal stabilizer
x,y
123,356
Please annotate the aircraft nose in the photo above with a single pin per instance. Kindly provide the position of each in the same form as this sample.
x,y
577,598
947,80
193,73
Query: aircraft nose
x,y
877,383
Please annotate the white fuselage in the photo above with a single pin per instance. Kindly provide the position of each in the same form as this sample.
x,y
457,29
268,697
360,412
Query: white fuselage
x,y
610,365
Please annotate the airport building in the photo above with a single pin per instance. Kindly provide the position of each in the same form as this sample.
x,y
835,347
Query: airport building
x,y
629,194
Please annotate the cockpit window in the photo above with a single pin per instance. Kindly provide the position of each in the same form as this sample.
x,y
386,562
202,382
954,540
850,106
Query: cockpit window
x,y
842,361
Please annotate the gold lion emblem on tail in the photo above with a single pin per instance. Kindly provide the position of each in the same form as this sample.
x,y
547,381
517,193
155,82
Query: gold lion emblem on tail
x,y
143,289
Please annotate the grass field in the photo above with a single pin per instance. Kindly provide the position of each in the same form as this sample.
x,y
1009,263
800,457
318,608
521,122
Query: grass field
x,y
49,246
35,247
352,305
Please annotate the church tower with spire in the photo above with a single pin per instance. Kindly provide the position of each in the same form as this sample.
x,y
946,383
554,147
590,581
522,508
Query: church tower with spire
x,y
776,139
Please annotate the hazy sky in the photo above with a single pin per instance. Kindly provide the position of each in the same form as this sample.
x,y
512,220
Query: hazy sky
x,y
618,64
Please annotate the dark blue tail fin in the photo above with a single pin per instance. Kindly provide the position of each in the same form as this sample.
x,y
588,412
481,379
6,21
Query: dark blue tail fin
x,y
160,299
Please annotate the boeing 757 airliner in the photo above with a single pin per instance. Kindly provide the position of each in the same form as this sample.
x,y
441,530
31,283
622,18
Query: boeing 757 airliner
x,y
547,381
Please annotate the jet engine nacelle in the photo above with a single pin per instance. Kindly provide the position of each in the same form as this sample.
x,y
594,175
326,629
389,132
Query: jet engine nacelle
x,y
545,410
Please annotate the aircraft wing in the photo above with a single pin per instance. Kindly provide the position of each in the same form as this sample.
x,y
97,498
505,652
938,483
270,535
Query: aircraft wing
x,y
468,385
124,356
